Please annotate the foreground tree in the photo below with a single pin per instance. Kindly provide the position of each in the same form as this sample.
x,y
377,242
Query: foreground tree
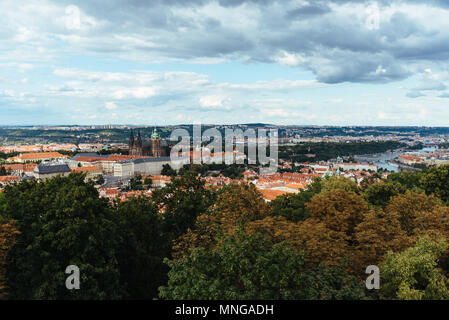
x,y
379,194
413,274
62,222
8,235
142,249
252,267
409,179
434,181
378,233
235,206
292,206
339,210
182,201
322,244
434,223
338,183
411,205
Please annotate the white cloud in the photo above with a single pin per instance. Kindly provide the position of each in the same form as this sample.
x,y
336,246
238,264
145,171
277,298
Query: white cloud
x,y
279,112
212,101
24,34
73,17
278,84
110,105
138,93
290,59
382,115
339,42
19,67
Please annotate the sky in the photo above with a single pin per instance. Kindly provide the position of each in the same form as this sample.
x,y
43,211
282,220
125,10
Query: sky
x,y
168,62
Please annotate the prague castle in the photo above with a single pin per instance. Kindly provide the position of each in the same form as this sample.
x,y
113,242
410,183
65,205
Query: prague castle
x,y
155,147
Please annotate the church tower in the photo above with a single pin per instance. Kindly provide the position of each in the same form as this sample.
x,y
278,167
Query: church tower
x,y
138,145
131,143
156,144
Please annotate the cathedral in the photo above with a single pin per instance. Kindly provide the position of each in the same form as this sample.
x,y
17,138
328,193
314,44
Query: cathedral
x,y
155,147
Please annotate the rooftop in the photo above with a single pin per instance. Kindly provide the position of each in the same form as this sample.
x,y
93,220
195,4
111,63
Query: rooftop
x,y
55,168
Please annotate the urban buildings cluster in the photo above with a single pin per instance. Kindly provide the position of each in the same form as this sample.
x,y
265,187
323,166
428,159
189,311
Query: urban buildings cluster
x,y
431,158
117,170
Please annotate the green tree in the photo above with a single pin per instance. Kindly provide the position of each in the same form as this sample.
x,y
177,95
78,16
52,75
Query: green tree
x,y
236,204
413,274
182,201
292,206
8,235
435,181
167,170
62,222
233,171
379,194
100,180
339,210
411,205
143,248
148,181
135,183
409,179
252,267
338,183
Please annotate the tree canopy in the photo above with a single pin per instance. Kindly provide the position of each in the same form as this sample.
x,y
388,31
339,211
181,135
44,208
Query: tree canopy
x,y
192,241
414,273
252,267
62,222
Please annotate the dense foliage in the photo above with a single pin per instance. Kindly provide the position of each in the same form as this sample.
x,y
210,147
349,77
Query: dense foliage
x,y
62,222
188,241
253,267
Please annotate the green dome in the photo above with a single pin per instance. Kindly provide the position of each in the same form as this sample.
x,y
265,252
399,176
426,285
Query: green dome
x,y
154,135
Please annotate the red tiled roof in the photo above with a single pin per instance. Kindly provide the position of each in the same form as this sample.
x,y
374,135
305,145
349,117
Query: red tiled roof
x,y
27,167
9,178
269,194
86,169
41,155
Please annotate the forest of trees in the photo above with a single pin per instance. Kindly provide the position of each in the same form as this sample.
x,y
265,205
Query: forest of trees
x,y
188,241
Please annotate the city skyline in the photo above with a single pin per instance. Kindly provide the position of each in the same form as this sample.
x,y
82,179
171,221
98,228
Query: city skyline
x,y
162,63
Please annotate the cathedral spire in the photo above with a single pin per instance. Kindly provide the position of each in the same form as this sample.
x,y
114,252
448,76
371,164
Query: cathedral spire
x,y
139,139
131,139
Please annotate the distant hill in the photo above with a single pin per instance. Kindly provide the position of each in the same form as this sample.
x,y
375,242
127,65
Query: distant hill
x,y
256,125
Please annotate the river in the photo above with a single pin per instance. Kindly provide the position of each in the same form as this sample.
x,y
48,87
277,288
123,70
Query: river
x,y
384,160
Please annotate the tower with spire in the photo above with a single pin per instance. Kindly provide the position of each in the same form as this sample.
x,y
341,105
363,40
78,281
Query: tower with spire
x,y
131,140
153,148
156,144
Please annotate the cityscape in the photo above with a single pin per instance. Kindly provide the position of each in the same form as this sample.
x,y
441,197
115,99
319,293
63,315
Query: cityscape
x,y
216,158
112,163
